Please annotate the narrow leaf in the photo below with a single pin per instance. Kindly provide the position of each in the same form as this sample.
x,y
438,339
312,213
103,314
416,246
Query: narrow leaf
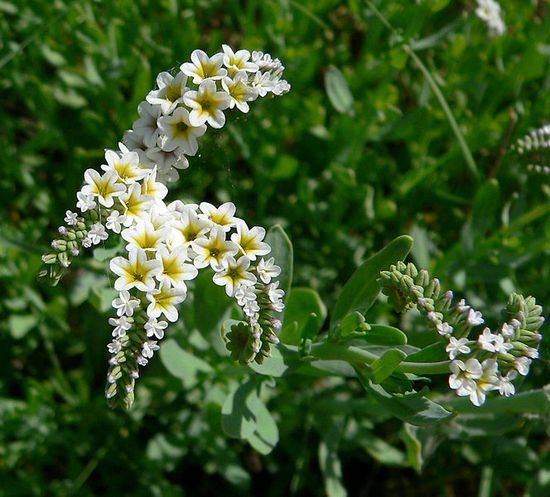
x,y
361,290
338,91
411,407
386,364
281,250
380,334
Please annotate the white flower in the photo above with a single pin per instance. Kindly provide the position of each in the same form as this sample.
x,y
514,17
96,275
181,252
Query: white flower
x,y
135,272
505,385
444,328
237,61
164,300
474,318
146,126
125,304
155,328
179,133
126,166
244,293
211,251
204,68
522,365
114,221
114,347
122,324
489,11
231,273
250,240
464,375
169,92
97,234
85,202
275,293
240,91
486,340
149,348
267,269
207,104
500,345
135,204
105,187
223,216
508,331
143,235
189,227
175,269
71,218
457,346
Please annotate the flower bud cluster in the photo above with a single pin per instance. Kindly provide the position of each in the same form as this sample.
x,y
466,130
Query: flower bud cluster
x,y
478,364
166,244
81,231
534,146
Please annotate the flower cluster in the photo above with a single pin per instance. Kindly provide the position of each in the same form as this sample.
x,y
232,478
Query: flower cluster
x,y
178,111
489,12
489,361
166,244
535,147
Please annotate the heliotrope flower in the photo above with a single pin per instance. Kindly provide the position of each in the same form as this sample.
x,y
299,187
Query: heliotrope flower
x,y
168,243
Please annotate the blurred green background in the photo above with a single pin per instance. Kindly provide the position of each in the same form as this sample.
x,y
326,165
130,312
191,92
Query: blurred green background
x,y
342,176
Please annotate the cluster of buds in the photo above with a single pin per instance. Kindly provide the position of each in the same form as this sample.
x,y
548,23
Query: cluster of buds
x,y
480,363
535,147
166,244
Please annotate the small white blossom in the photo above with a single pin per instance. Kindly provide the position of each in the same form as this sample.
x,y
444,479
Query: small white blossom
x,y
457,346
121,325
444,328
125,304
267,269
155,328
71,218
474,318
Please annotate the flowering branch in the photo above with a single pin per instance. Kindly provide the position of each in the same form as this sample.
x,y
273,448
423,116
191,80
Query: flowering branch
x,y
167,244
478,364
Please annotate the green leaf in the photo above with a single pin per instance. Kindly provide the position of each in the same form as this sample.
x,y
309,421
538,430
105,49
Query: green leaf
x,y
381,334
271,366
304,315
21,325
361,290
386,364
281,250
210,304
329,462
182,364
351,323
411,407
432,353
484,213
245,416
338,91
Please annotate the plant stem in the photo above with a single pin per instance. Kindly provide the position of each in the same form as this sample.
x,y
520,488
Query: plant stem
x,y
358,356
466,153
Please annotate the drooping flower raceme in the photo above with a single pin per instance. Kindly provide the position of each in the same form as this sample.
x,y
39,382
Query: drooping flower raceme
x,y
478,365
167,243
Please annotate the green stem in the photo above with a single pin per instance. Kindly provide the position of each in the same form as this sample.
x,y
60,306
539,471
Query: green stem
x,y
486,482
466,153
356,355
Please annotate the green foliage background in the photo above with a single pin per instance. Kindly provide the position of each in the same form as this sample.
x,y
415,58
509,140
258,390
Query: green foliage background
x,y
343,177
